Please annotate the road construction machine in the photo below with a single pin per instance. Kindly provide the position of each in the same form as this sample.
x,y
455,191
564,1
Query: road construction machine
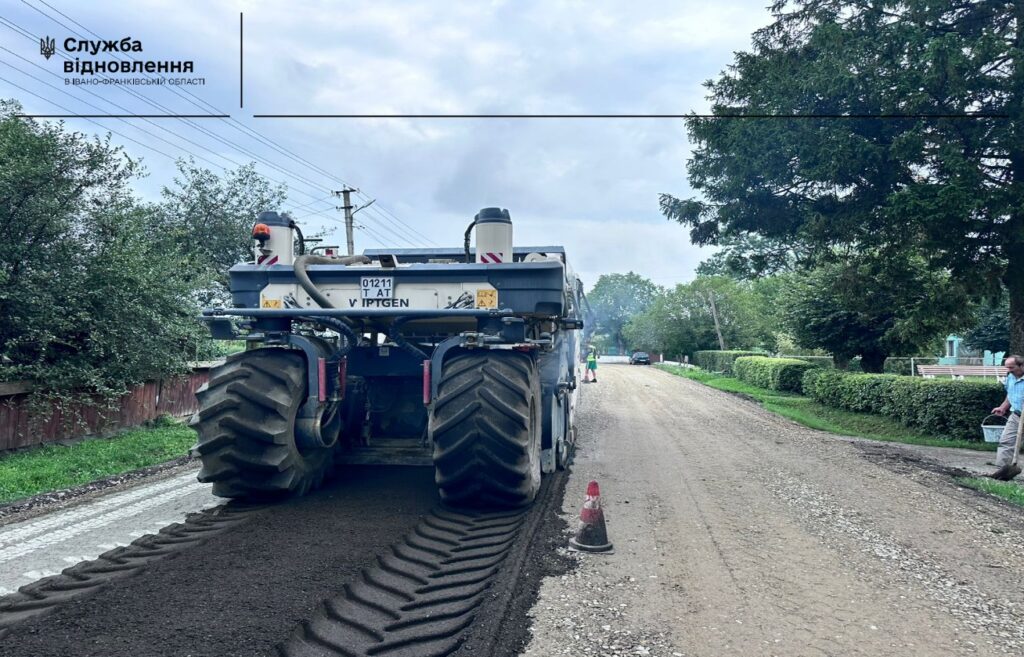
x,y
462,359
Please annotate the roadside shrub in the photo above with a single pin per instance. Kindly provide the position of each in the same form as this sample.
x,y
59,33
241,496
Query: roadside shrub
x,y
753,370
954,408
942,407
163,421
820,361
809,382
719,361
784,374
866,393
823,386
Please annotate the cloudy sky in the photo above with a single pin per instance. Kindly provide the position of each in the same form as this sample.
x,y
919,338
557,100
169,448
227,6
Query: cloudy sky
x,y
591,185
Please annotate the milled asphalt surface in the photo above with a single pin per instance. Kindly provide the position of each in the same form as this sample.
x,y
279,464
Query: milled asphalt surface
x,y
738,532
242,592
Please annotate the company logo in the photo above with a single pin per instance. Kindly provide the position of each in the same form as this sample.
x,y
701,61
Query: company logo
x,y
47,47
89,61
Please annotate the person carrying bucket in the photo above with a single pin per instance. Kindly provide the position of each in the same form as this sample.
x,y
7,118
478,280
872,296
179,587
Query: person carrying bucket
x,y
591,366
1009,442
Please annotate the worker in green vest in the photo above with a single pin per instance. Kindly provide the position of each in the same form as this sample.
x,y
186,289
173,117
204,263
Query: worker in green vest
x,y
592,366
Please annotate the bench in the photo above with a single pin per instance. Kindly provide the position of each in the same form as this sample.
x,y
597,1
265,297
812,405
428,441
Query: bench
x,y
960,371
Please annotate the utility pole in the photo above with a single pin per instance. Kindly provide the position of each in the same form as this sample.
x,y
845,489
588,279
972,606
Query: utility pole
x,y
346,195
714,316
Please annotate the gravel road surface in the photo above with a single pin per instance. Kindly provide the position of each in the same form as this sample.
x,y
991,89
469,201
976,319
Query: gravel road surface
x,y
738,532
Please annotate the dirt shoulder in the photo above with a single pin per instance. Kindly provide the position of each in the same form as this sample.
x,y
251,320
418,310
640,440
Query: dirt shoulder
x,y
739,532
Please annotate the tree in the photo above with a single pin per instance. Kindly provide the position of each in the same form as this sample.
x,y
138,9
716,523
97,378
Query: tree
x,y
749,256
873,308
88,298
953,187
681,321
208,218
616,298
992,329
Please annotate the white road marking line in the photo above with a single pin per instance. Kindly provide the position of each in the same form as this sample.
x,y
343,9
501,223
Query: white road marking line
x,y
18,532
98,522
5,591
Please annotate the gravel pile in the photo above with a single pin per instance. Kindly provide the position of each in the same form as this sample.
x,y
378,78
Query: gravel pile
x,y
588,612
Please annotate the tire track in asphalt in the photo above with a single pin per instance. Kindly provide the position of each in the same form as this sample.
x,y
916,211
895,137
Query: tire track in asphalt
x,y
420,595
258,584
460,584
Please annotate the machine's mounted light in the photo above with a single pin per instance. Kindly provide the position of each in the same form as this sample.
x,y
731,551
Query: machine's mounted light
x,y
261,232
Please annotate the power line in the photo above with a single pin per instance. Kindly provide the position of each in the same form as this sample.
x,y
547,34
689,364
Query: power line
x,y
17,86
378,237
195,126
178,91
265,141
234,123
73,97
961,115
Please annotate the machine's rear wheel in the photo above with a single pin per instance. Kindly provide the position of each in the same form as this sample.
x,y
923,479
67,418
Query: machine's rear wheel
x,y
246,426
485,425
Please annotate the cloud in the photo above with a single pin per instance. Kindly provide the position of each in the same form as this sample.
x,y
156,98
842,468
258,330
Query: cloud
x,y
660,251
591,184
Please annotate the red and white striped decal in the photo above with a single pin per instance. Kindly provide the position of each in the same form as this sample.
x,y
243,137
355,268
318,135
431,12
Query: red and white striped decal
x,y
491,258
266,260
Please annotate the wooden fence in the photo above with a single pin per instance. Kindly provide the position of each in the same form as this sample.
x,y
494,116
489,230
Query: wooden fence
x,y
23,423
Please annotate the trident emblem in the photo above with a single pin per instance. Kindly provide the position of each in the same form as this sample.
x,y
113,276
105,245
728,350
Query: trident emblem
x,y
47,47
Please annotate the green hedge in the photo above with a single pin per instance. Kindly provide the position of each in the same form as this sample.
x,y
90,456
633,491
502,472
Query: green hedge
x,y
772,373
719,361
942,407
893,365
820,361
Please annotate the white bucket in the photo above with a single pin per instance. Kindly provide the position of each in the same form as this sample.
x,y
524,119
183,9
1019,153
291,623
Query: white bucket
x,y
992,432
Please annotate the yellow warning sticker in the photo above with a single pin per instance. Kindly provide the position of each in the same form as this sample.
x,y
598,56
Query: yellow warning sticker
x,y
486,298
272,303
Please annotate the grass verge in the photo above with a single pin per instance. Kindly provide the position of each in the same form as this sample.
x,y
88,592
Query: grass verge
x,y
53,467
1009,491
810,413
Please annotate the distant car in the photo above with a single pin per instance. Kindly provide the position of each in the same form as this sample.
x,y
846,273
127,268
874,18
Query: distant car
x,y
640,358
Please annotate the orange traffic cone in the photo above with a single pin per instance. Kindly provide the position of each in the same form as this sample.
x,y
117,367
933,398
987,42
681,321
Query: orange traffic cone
x,y
591,534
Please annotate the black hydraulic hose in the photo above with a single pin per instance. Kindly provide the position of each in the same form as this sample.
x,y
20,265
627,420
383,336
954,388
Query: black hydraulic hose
x,y
402,343
343,329
469,229
302,239
304,261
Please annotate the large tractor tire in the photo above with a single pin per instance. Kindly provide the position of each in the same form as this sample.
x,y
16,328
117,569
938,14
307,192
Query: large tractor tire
x,y
246,426
485,426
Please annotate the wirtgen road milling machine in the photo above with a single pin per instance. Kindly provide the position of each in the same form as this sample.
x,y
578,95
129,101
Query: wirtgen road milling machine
x,y
463,359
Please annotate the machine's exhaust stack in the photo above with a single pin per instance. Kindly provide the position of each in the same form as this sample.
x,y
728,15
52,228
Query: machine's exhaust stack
x,y
278,248
493,236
